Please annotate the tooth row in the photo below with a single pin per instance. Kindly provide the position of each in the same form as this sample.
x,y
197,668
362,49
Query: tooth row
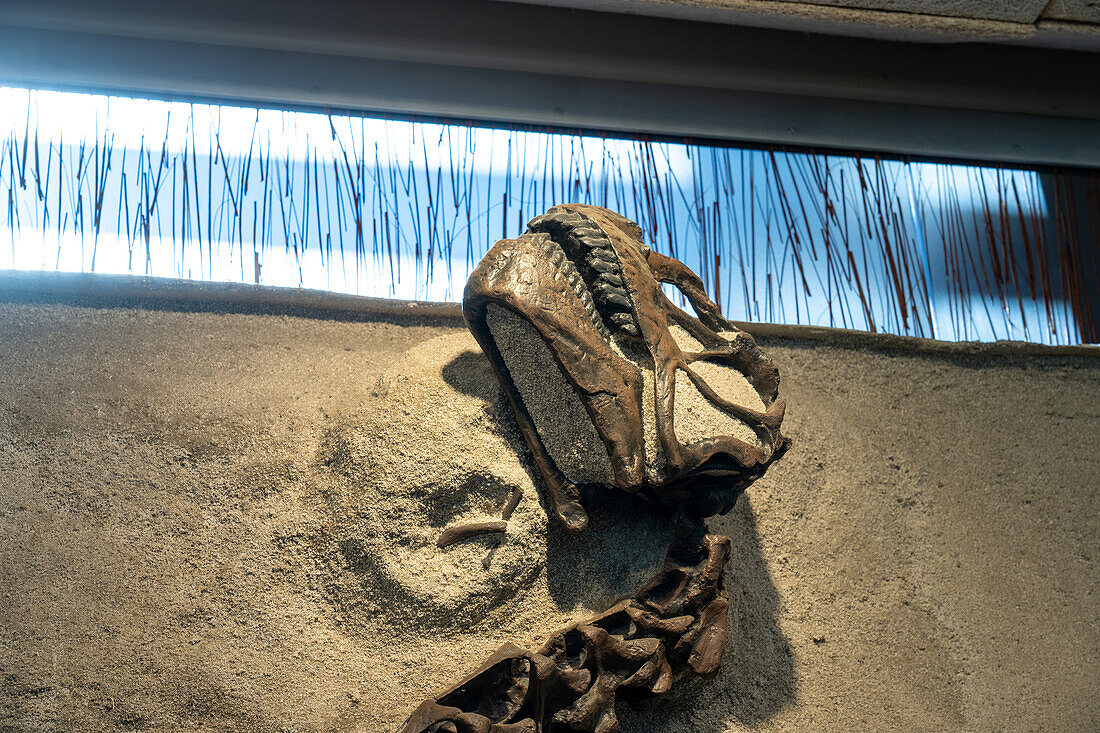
x,y
602,266
557,255
624,322
615,296
587,233
573,277
602,254
616,303
568,270
608,288
589,246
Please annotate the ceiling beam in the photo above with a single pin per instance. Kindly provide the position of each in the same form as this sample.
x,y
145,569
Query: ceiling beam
x,y
519,64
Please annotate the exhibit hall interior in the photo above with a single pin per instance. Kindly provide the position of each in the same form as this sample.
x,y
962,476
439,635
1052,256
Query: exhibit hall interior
x,y
536,366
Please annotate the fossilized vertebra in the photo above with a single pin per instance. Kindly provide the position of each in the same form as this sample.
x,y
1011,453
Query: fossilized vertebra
x,y
636,649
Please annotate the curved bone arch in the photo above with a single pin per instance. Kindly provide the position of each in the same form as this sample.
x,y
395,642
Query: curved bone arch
x,y
594,358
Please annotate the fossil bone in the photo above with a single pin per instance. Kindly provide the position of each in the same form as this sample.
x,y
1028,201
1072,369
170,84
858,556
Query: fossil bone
x,y
584,282
614,388
674,626
461,532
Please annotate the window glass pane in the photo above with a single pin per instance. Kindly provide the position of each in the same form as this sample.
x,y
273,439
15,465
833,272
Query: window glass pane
x,y
403,209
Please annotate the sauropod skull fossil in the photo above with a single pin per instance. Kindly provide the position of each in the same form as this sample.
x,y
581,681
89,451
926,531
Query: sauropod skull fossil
x,y
612,384
615,387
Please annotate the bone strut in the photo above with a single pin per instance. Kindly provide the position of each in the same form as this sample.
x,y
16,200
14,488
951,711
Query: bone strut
x,y
452,535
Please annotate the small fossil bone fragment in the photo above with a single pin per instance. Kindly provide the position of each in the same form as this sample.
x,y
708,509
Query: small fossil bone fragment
x,y
513,502
452,535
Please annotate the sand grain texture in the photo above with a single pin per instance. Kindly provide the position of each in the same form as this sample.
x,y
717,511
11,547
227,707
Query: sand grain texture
x,y
222,520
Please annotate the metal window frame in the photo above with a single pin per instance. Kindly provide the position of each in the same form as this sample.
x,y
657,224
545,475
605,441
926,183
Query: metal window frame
x,y
506,63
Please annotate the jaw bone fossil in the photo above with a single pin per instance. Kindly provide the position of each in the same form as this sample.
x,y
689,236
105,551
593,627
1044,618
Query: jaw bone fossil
x,y
615,387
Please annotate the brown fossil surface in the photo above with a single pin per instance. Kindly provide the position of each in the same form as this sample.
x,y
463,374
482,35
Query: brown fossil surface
x,y
583,293
574,320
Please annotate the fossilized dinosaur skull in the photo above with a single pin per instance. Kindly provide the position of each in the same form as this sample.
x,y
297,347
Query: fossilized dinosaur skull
x,y
613,386
611,383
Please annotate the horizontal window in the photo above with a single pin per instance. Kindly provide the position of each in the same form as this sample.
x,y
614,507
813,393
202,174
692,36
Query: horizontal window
x,y
403,209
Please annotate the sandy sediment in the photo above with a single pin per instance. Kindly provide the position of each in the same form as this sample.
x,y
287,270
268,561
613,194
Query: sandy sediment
x,y
226,519
697,418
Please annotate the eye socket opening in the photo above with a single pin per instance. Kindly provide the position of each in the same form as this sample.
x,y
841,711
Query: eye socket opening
x,y
679,300
719,464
